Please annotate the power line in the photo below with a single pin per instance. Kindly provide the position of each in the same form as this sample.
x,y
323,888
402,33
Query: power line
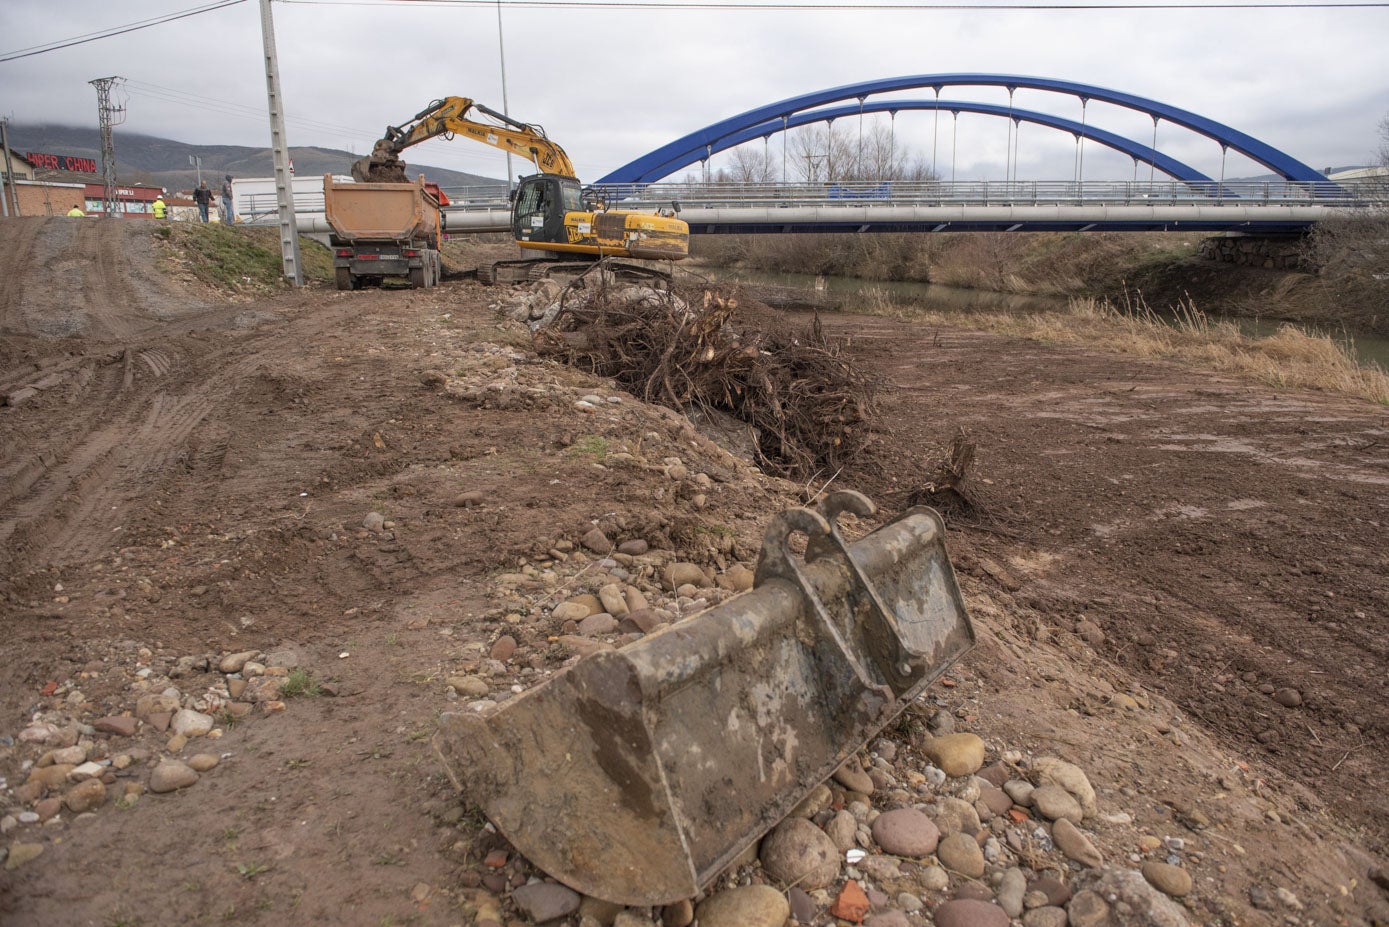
x,y
728,5
57,44
231,109
802,7
227,107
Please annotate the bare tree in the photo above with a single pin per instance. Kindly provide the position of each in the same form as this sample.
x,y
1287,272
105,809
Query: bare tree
x,y
834,152
1350,255
752,163
820,153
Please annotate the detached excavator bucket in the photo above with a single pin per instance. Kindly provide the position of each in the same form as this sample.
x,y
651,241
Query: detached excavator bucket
x,y
637,775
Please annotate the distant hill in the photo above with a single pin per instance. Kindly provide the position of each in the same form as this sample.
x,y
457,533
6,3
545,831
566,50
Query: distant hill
x,y
163,161
1275,178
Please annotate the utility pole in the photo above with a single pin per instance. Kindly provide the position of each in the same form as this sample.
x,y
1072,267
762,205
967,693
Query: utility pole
x,y
284,191
197,161
108,147
9,170
501,49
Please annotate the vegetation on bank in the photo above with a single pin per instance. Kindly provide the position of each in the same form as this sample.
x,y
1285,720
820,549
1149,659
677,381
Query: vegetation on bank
x,y
1289,358
241,259
1344,292
1050,263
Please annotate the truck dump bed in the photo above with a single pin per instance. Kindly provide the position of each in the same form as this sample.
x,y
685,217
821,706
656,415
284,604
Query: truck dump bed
x,y
399,212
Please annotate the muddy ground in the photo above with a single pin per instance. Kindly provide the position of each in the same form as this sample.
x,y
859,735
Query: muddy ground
x,y
194,476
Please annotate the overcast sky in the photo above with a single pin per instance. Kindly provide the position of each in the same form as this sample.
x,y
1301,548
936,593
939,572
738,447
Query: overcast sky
x,y
610,85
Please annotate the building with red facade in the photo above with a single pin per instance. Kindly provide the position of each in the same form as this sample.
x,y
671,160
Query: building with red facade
x,y
47,184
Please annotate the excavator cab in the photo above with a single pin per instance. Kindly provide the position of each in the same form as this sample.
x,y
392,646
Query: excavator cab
x,y
550,213
541,203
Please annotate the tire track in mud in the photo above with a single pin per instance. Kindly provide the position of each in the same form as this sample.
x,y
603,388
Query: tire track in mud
x,y
106,283
123,417
17,243
72,511
95,278
1227,538
25,459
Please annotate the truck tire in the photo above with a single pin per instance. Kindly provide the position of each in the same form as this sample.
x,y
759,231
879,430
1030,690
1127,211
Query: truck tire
x,y
344,279
417,278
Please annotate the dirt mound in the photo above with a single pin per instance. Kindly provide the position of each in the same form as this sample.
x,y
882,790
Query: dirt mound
x,y
95,278
397,488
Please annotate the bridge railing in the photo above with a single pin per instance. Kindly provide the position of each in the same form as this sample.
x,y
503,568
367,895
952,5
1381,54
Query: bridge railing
x,y
993,193
261,208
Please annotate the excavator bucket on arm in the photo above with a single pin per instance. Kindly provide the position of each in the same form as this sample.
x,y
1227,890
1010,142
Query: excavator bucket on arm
x,y
637,775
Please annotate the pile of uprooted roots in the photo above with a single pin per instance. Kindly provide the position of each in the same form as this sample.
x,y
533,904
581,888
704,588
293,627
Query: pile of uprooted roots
x,y
692,350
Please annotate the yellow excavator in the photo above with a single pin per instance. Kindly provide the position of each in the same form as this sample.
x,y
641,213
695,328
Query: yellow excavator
x,y
550,212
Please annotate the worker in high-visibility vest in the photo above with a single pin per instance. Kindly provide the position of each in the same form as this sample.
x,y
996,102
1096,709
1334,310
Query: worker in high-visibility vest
x,y
76,212
159,207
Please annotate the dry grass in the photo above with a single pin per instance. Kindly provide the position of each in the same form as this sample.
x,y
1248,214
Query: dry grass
x,y
1289,358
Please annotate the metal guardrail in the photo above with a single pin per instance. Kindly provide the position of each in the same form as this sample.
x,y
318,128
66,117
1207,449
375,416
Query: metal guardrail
x,y
924,206
1353,194
1000,193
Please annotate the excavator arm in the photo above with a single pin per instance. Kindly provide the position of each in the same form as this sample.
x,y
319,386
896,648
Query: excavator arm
x,y
449,117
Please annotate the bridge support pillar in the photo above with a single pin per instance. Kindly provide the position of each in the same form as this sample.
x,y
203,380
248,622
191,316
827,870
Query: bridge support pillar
x,y
1271,252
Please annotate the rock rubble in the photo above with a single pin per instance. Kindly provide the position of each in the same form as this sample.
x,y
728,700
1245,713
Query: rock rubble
x,y
82,752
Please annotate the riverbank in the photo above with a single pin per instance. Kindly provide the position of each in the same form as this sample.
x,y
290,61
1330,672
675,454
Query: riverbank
x,y
1276,354
1164,268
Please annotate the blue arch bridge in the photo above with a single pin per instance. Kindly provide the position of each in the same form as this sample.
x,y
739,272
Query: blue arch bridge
x,y
1173,196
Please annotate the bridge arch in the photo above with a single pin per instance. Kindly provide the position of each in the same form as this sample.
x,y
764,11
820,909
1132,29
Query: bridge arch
x,y
693,147
1178,170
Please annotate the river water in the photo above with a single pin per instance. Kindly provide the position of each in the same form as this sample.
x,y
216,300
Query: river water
x,y
846,292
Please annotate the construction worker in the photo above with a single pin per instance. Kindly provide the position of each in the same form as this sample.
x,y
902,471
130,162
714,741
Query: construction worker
x,y
77,212
161,209
203,198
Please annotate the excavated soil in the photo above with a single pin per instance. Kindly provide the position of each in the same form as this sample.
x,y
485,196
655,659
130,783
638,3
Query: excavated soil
x,y
193,477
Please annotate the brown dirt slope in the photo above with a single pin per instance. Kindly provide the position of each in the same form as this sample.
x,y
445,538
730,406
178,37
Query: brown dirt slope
x,y
201,487
84,277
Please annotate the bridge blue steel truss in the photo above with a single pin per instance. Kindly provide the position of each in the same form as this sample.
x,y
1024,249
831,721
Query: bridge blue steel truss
x,y
697,145
1139,152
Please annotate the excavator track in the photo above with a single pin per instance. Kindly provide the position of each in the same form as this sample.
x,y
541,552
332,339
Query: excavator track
x,y
509,273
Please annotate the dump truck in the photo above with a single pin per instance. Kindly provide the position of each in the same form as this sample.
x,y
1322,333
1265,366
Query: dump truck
x,y
383,230
638,775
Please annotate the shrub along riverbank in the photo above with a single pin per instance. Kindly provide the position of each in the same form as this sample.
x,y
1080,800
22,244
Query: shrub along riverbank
x,y
1291,357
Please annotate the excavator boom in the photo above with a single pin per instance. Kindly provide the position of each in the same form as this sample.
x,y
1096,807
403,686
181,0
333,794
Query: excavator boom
x,y
449,117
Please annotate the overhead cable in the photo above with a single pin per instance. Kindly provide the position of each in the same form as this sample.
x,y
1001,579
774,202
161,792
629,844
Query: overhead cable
x,y
113,31
764,6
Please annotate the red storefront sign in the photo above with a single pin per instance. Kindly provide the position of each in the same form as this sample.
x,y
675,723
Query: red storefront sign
x,y
54,162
